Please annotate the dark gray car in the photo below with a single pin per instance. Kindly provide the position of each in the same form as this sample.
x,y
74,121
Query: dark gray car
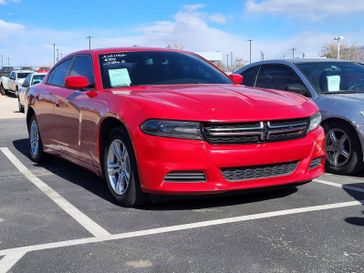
x,y
338,89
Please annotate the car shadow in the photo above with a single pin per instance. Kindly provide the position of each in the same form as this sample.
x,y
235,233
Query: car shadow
x,y
348,188
96,185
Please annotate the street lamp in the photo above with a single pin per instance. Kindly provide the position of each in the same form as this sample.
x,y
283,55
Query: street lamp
x,y
250,51
338,38
293,50
262,55
2,60
89,41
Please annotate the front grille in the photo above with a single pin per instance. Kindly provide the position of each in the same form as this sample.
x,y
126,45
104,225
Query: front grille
x,y
185,176
254,132
256,172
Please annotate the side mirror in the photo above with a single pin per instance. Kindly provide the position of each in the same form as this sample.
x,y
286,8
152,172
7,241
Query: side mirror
x,y
77,82
236,78
25,84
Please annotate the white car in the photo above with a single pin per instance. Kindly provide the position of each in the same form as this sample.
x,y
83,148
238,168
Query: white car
x,y
23,90
12,84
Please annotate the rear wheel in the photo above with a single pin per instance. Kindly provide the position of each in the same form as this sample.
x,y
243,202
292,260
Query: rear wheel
x,y
36,145
121,171
20,106
343,149
3,90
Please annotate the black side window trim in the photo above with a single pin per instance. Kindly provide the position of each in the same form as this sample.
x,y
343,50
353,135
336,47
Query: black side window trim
x,y
92,84
67,73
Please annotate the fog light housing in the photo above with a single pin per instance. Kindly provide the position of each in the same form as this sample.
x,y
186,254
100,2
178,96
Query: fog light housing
x,y
315,163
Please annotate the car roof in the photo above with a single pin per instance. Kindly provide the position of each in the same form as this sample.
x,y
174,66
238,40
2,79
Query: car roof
x,y
23,71
124,49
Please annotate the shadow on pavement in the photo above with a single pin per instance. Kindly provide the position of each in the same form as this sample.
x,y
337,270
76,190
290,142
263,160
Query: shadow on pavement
x,y
96,185
358,221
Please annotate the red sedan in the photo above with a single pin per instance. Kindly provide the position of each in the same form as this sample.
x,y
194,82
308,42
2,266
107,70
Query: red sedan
x,y
167,121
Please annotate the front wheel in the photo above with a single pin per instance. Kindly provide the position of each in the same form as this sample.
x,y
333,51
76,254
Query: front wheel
x,y
36,145
343,149
121,171
3,90
20,106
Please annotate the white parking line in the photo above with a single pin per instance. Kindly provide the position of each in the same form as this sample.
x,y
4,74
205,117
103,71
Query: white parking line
x,y
85,221
161,230
7,262
338,185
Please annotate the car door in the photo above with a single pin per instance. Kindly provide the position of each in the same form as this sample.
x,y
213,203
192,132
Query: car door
x,y
70,108
24,88
280,77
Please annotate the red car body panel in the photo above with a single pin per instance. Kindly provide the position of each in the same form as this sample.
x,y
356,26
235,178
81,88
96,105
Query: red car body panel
x,y
70,121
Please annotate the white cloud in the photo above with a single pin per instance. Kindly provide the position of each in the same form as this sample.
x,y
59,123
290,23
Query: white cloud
x,y
218,18
7,29
3,2
189,28
303,8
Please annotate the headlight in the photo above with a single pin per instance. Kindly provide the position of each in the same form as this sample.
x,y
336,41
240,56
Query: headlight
x,y
315,121
172,128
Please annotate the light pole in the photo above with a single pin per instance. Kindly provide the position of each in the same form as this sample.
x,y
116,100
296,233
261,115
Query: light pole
x,y
293,50
262,55
338,38
89,41
2,60
250,50
8,61
57,54
54,53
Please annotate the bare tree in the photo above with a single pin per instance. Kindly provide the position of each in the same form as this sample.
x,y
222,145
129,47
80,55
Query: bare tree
x,y
352,53
238,63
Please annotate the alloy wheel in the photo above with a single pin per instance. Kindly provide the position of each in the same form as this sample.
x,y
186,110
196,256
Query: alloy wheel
x,y
118,167
338,147
34,138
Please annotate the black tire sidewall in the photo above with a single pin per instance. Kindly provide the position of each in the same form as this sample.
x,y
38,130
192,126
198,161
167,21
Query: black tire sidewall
x,y
133,195
40,155
355,162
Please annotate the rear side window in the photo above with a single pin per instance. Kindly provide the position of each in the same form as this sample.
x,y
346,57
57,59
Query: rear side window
x,y
82,66
276,77
59,73
250,76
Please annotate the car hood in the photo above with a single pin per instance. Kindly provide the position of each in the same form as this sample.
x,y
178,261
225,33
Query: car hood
x,y
221,103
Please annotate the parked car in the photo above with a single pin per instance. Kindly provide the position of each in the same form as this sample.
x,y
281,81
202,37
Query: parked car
x,y
12,84
338,89
6,70
43,69
166,121
30,80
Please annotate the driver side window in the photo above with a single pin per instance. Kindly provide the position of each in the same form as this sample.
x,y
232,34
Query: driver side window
x,y
281,77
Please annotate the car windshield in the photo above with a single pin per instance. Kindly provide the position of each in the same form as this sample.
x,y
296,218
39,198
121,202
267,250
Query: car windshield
x,y
334,77
157,67
23,75
37,79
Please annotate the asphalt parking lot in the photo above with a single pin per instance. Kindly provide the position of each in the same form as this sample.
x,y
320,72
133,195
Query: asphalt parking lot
x,y
57,217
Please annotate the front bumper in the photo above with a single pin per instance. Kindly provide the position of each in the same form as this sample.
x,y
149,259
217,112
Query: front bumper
x,y
158,156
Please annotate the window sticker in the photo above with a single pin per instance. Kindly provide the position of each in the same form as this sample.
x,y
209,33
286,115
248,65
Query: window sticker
x,y
333,83
119,77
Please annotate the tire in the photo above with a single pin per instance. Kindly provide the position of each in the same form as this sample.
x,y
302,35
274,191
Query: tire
x,y
20,106
3,91
343,149
120,170
36,145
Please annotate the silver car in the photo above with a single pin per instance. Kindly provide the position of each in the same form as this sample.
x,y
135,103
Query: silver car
x,y
338,89
30,80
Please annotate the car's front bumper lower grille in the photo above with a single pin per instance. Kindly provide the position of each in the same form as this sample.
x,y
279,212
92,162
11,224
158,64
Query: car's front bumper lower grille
x,y
258,172
255,132
185,176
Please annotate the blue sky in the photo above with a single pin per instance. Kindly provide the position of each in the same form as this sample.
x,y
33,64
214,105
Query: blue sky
x,y
28,28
